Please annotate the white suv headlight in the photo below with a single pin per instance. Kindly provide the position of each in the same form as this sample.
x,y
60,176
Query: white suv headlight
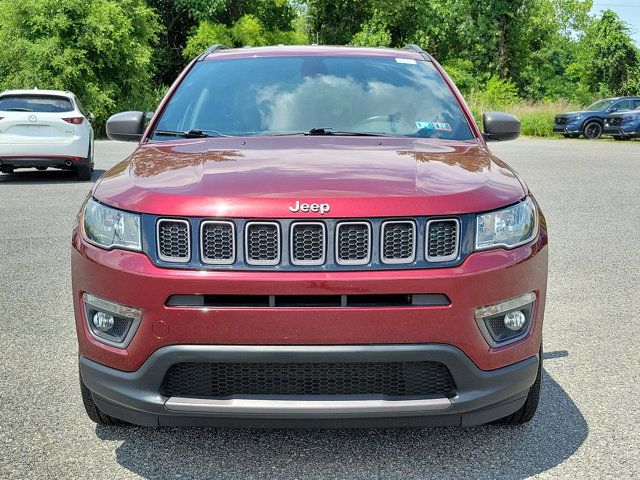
x,y
110,228
510,227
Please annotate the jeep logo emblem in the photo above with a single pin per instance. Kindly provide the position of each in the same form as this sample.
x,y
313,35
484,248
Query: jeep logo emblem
x,y
321,208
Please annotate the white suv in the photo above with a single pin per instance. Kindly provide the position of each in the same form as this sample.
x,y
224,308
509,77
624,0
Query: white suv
x,y
45,128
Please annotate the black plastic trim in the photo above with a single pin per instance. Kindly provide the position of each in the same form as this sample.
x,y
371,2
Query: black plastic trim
x,y
482,396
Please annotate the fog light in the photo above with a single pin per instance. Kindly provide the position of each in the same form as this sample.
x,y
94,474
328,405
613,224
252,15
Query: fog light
x,y
103,321
507,321
514,320
110,322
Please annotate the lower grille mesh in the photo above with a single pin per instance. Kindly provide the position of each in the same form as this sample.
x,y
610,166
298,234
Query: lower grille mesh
x,y
396,379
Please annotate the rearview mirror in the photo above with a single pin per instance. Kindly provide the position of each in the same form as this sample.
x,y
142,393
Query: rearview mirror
x,y
90,117
126,126
500,126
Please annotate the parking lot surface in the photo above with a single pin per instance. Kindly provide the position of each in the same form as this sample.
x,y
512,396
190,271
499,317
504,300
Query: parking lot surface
x,y
588,424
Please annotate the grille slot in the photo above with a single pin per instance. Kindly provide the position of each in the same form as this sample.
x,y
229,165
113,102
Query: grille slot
x,y
353,243
311,301
262,243
218,242
442,240
395,379
174,240
561,120
398,242
308,243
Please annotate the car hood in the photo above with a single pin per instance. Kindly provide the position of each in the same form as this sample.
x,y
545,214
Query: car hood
x,y
262,177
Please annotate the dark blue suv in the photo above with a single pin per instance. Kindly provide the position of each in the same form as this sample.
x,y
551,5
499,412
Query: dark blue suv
x,y
590,122
623,125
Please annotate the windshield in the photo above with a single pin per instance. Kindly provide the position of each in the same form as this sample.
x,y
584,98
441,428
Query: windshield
x,y
317,94
599,105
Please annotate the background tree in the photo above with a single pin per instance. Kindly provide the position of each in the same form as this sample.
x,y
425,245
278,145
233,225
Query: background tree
x,y
608,62
99,49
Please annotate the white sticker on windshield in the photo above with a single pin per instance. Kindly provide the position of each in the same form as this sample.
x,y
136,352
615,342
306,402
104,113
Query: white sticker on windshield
x,y
424,125
442,126
408,61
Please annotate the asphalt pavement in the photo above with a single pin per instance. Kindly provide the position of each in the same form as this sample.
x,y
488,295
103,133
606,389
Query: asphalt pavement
x,y
587,426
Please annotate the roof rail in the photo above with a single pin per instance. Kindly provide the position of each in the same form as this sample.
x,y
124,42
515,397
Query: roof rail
x,y
210,50
414,48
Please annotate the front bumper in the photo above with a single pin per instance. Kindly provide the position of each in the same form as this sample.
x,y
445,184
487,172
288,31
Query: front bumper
x,y
484,278
481,396
571,128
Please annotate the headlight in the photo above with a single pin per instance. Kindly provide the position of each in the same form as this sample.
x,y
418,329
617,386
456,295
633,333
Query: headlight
x,y
577,117
509,227
110,228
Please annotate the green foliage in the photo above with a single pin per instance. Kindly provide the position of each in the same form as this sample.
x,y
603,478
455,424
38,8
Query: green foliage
x,y
248,31
200,9
463,74
335,22
374,33
497,93
205,35
608,60
99,49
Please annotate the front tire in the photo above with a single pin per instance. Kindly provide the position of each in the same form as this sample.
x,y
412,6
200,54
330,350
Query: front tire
x,y
528,410
95,414
593,130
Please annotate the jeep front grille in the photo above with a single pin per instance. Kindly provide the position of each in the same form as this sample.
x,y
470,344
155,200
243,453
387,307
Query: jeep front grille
x,y
218,242
308,243
174,240
442,240
353,243
394,379
398,242
327,244
262,242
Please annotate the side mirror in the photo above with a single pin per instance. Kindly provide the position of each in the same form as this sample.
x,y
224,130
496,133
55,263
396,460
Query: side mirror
x,y
90,117
612,109
126,126
500,126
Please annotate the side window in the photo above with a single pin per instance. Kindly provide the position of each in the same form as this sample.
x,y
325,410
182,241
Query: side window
x,y
622,105
635,104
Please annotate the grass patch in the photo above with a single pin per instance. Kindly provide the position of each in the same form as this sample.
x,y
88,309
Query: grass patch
x,y
536,117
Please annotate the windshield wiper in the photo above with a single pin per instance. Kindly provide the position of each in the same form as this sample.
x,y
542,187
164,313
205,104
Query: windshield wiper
x,y
335,131
193,133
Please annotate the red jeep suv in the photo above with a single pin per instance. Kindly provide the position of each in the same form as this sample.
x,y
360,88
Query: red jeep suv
x,y
312,236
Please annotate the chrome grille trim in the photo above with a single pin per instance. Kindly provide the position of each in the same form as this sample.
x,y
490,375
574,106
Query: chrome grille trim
x,y
247,244
217,261
172,259
363,261
398,261
292,250
442,258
